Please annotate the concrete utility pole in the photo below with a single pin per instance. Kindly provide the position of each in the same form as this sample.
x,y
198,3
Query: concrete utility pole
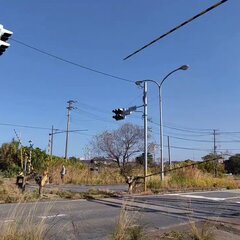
x,y
51,146
215,152
214,142
169,153
69,108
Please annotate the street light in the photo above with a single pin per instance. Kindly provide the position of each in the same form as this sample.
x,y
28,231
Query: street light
x,y
183,67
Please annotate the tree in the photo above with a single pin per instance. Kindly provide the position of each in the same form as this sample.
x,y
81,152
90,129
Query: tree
x,y
232,165
211,165
140,159
120,145
39,159
9,157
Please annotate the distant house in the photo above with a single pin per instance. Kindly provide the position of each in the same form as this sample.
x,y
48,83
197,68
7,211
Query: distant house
x,y
98,162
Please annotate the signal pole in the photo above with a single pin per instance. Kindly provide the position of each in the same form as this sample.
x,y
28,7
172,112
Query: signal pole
x,y
145,134
69,108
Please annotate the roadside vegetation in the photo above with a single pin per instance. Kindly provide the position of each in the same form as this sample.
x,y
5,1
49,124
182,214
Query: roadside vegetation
x,y
119,158
191,179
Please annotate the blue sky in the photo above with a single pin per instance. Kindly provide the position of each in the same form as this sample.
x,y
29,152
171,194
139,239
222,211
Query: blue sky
x,y
35,88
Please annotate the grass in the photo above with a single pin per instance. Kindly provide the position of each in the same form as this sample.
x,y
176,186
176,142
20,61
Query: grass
x,y
21,224
78,174
9,193
205,232
191,178
91,194
126,227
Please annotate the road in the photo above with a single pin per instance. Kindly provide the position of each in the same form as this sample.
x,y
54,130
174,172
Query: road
x,y
97,219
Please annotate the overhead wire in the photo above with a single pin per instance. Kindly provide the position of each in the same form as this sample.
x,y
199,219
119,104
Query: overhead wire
x,y
71,62
182,129
25,126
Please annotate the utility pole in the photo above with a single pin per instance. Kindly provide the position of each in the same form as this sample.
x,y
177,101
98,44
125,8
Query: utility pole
x,y
69,108
215,152
51,146
214,142
145,134
169,153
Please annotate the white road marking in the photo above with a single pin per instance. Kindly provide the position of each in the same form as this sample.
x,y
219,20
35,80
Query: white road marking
x,y
197,196
201,197
52,216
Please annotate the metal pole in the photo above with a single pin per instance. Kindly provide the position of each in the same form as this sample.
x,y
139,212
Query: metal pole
x,y
145,135
161,133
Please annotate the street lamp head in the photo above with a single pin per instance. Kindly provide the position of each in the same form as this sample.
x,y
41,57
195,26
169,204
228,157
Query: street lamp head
x,y
184,67
138,83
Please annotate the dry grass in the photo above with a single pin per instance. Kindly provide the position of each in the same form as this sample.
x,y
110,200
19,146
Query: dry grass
x,y
82,175
9,193
126,227
21,224
91,194
205,232
191,178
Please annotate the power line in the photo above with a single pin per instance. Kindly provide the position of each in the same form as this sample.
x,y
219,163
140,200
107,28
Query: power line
x,y
71,62
183,129
199,140
24,126
191,149
176,28
188,139
95,116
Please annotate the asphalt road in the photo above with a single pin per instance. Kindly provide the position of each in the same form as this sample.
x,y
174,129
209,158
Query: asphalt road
x,y
97,219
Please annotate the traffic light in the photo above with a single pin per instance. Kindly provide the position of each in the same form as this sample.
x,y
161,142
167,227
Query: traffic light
x,y
4,36
119,114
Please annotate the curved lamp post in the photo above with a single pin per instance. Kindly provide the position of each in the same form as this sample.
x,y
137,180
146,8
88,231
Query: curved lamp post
x,y
183,67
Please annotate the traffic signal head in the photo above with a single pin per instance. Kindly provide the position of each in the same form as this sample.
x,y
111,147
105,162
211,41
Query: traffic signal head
x,y
119,114
3,46
4,36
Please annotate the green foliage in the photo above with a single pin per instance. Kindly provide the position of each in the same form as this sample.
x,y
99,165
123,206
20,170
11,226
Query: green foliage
x,y
140,159
9,155
39,159
211,165
12,171
233,164
10,158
